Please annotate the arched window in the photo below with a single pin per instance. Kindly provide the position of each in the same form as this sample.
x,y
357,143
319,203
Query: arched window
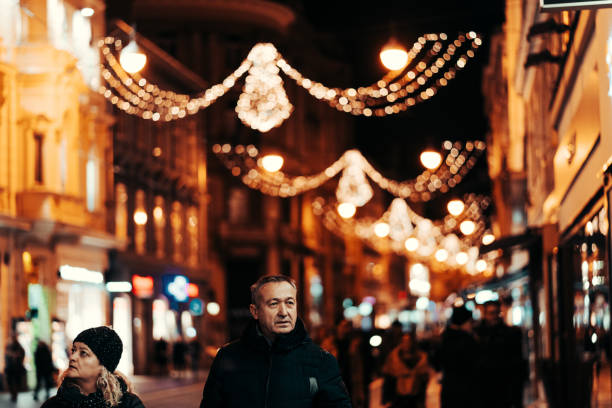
x,y
159,218
176,222
192,234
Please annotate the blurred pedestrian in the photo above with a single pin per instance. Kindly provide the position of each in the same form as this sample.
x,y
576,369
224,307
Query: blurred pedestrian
x,y
345,345
502,367
406,375
456,358
160,356
179,357
91,380
14,371
44,369
392,339
195,353
274,363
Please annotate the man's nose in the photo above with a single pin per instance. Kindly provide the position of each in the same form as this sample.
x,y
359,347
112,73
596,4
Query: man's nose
x,y
282,310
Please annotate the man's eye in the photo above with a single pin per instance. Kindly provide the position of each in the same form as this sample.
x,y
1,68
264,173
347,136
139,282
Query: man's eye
x,y
273,304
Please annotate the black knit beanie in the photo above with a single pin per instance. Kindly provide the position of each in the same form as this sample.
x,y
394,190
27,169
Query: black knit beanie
x,y
105,344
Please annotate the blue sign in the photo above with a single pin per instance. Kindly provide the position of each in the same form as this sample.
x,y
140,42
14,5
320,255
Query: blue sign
x,y
175,286
196,307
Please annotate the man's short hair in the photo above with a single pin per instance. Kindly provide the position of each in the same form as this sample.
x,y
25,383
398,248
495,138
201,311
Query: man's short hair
x,y
267,279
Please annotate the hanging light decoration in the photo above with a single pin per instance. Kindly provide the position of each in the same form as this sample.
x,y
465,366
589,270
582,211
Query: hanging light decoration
x,y
263,103
132,59
381,229
488,238
455,207
346,210
272,162
431,159
393,55
353,186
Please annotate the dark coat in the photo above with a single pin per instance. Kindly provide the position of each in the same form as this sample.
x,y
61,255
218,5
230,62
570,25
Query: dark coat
x,y
502,367
70,397
293,372
456,358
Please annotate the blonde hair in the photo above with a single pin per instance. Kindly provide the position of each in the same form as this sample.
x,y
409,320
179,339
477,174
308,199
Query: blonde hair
x,y
108,383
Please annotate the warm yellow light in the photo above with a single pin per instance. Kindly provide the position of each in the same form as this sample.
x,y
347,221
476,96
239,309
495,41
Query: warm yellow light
x,y
455,207
140,217
381,229
272,162
411,244
481,265
488,239
26,258
87,12
157,151
158,213
461,258
131,58
393,55
431,159
441,255
467,227
346,210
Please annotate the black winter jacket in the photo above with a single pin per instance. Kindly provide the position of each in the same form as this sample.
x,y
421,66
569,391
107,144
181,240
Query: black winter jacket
x,y
293,372
70,397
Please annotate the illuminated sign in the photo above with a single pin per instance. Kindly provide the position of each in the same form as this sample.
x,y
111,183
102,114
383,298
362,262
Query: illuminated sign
x,y
142,286
550,5
176,287
196,307
119,287
192,290
75,273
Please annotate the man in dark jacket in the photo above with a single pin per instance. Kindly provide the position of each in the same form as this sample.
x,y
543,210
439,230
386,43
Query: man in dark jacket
x,y
274,364
456,358
502,367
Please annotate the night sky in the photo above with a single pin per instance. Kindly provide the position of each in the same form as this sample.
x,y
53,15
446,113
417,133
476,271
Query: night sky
x,y
456,112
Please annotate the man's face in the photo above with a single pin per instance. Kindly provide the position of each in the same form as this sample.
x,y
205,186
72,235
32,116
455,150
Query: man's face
x,y
276,309
491,315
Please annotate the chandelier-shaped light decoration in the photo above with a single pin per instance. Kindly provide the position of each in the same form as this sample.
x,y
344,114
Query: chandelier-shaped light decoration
x,y
400,226
460,158
263,104
353,186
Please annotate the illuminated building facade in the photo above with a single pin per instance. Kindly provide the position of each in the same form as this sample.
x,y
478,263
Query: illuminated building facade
x,y
54,141
551,129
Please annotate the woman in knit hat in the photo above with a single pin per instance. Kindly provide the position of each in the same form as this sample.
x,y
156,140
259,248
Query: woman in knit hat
x,y
90,381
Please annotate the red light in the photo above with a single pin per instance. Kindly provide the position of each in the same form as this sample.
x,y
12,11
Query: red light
x,y
142,286
193,290
402,294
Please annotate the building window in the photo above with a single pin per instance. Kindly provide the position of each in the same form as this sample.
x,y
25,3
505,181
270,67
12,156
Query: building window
x,y
159,218
38,158
176,223
238,205
140,223
121,198
192,233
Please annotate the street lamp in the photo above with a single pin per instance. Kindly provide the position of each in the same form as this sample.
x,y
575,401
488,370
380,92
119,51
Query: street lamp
x,y
431,159
346,210
272,162
393,55
131,58
467,227
455,207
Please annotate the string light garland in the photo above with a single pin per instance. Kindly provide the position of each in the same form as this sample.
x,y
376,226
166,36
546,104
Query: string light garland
x,y
353,186
263,103
403,231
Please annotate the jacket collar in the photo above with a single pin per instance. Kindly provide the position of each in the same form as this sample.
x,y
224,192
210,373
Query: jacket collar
x,y
282,343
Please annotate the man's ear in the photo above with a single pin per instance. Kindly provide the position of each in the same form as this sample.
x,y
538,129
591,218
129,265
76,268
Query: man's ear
x,y
253,310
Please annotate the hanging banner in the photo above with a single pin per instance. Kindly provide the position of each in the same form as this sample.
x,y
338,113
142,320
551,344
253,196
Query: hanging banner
x,y
556,5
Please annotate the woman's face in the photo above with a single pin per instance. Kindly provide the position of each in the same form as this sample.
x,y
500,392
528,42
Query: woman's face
x,y
83,364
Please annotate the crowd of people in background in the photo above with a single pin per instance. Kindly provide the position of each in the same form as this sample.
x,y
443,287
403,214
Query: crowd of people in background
x,y
478,363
